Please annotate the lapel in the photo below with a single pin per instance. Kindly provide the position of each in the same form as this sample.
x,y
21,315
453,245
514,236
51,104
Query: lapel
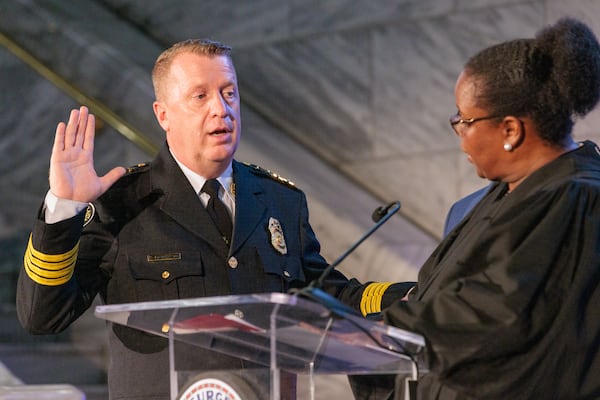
x,y
180,202
250,207
446,258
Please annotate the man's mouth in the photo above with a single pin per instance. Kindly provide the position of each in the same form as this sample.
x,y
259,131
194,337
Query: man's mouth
x,y
218,132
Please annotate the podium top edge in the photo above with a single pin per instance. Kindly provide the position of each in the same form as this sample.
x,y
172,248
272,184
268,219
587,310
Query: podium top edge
x,y
277,298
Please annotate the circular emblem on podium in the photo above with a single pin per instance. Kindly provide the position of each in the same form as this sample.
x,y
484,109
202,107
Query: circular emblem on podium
x,y
218,387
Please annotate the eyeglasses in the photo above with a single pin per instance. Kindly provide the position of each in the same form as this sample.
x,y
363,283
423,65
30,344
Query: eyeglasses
x,y
460,125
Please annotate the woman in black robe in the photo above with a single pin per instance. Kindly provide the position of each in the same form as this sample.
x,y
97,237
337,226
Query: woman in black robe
x,y
509,303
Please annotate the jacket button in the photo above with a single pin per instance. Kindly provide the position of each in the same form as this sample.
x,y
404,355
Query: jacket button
x,y
286,274
166,274
232,262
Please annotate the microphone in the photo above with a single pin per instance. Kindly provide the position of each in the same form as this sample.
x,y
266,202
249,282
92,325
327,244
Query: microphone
x,y
313,290
381,211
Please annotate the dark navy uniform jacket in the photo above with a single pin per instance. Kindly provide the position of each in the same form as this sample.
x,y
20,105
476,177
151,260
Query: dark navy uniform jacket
x,y
149,238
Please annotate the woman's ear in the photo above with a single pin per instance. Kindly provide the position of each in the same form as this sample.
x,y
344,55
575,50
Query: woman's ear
x,y
513,131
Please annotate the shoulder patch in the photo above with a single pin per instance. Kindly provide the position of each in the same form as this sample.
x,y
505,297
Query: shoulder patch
x,y
265,172
137,168
90,211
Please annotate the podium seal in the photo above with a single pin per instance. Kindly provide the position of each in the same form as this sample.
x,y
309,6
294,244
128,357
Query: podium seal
x,y
210,388
218,386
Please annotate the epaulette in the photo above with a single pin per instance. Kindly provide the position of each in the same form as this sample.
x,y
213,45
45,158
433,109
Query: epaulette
x,y
137,168
265,172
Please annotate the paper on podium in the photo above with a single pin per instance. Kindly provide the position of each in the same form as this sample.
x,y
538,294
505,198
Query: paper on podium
x,y
214,322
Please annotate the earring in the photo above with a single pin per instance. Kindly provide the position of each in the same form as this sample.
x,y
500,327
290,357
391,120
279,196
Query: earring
x,y
508,147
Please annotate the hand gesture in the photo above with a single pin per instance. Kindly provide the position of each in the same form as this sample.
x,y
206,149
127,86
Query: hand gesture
x,y
72,173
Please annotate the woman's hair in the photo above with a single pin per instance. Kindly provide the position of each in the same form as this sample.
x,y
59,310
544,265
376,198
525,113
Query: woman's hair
x,y
551,79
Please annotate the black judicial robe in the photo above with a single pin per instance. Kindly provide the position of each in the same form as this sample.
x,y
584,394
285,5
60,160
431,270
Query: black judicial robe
x,y
509,302
151,239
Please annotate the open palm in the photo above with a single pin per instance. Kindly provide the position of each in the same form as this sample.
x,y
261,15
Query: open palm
x,y
72,172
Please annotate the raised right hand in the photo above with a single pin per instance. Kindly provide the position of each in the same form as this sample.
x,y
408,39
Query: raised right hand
x,y
72,173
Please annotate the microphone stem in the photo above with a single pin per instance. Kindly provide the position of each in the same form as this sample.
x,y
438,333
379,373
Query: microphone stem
x,y
390,212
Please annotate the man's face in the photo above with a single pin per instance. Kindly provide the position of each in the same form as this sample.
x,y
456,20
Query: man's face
x,y
200,112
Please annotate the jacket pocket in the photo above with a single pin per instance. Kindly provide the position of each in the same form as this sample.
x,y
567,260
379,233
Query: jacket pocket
x,y
166,275
287,267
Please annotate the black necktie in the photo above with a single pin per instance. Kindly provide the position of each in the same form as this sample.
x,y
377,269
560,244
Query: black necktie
x,y
217,210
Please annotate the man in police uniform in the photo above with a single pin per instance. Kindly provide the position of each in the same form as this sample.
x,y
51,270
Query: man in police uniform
x,y
144,234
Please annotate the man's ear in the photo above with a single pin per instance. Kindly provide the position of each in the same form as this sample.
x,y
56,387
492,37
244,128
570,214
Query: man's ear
x,y
160,111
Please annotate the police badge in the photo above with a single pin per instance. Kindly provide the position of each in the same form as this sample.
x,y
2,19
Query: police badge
x,y
277,239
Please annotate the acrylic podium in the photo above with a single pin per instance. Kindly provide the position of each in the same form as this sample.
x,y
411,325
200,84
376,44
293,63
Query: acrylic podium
x,y
282,332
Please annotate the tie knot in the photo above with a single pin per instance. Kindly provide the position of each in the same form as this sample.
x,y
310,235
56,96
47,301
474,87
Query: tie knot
x,y
211,186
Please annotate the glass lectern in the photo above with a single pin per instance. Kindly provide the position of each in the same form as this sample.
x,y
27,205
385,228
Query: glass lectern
x,y
282,332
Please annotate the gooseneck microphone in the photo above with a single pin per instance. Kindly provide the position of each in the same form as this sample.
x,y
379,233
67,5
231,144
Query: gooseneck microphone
x,y
382,211
380,216
313,290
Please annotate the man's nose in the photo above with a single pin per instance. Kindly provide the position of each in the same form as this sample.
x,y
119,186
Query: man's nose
x,y
219,106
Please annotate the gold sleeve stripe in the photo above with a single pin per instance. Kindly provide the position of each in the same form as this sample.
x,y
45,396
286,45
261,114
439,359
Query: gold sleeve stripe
x,y
49,269
370,301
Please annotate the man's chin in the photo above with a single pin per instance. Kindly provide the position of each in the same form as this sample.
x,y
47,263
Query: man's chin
x,y
222,158
222,153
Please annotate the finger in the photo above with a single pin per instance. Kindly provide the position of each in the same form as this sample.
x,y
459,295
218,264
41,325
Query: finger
x,y
81,127
71,129
90,131
111,177
59,137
